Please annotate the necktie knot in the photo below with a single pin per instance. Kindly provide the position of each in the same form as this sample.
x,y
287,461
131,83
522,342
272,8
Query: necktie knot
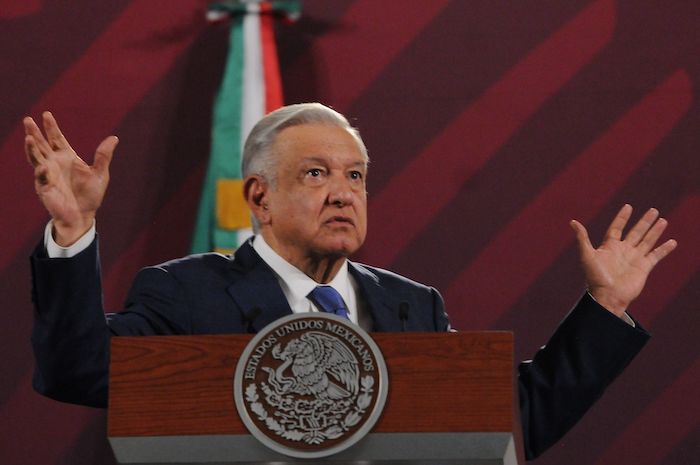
x,y
329,300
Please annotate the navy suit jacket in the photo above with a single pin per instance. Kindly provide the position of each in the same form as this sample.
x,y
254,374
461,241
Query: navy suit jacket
x,y
213,293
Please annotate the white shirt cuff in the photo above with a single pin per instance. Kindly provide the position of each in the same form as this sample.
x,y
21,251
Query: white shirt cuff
x,y
56,251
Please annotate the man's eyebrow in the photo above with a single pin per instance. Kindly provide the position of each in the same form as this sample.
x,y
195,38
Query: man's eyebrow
x,y
323,161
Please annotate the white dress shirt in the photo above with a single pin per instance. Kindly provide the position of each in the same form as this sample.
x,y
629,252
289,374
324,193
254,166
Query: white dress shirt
x,y
296,285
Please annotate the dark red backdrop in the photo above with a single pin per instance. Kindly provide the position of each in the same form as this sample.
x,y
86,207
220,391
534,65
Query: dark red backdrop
x,y
490,124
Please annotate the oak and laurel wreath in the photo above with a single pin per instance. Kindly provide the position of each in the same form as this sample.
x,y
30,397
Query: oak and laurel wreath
x,y
363,401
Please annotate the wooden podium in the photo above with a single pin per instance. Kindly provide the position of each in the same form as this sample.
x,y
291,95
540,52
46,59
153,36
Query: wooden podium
x,y
450,401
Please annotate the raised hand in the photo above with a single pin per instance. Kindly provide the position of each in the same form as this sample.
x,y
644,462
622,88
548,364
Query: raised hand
x,y
70,189
617,270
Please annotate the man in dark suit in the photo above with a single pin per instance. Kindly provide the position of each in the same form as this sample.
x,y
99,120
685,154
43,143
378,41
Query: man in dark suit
x,y
304,169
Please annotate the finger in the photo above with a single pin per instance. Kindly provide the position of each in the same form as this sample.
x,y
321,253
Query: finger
x,y
584,243
27,121
31,129
618,223
55,137
34,156
662,251
639,230
652,236
103,154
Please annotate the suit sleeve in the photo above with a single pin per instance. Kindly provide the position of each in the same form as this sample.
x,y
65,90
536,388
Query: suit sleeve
x,y
589,349
442,320
71,335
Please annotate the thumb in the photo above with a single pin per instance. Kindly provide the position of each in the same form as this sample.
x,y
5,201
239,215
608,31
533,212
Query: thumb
x,y
103,154
584,243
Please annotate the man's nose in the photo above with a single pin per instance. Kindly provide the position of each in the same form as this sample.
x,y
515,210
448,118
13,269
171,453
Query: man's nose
x,y
340,191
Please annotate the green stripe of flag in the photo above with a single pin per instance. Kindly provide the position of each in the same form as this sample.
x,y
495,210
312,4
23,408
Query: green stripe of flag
x,y
225,156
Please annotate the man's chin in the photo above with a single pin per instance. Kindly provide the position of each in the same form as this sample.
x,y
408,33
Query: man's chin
x,y
340,248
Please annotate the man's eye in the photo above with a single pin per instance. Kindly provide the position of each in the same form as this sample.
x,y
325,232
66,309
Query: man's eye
x,y
314,172
355,175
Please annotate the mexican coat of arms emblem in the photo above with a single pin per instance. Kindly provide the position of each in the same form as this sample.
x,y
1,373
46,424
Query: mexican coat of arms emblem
x,y
310,385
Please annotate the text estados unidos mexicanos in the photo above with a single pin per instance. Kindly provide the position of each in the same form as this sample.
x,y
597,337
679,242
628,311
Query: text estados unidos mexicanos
x,y
301,325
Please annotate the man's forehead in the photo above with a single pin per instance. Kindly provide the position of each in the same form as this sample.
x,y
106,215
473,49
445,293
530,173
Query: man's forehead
x,y
316,141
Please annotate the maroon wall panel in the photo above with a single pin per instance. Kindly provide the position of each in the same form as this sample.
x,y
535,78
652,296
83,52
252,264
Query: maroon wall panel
x,y
490,124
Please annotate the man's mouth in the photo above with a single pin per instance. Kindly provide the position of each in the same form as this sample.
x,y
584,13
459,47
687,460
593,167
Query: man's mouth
x,y
340,219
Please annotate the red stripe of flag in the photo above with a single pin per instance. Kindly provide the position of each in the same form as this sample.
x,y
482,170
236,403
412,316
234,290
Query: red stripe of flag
x,y
273,83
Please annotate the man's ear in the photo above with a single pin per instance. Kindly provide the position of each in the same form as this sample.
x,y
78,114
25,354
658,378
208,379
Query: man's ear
x,y
255,191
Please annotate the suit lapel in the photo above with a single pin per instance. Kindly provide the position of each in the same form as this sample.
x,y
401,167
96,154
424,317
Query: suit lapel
x,y
382,305
255,289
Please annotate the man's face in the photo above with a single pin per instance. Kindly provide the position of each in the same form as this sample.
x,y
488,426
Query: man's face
x,y
318,207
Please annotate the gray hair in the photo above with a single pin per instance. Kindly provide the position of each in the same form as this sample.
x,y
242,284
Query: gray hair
x,y
258,157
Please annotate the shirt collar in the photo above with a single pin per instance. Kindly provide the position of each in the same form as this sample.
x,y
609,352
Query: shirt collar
x,y
295,284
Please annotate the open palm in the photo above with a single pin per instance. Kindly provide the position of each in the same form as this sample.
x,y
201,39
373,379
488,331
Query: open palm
x,y
617,270
70,189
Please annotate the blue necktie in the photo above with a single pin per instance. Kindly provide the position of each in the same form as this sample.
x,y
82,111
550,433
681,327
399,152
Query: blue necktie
x,y
328,299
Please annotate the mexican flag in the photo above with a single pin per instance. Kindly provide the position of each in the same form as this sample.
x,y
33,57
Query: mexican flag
x,y
250,88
